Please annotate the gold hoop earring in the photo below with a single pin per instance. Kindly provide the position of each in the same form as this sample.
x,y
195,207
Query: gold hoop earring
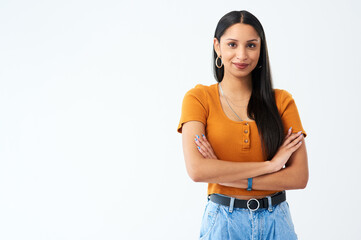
x,y
221,62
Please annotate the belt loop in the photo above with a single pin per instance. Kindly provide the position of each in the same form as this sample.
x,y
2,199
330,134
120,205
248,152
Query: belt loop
x,y
231,204
270,208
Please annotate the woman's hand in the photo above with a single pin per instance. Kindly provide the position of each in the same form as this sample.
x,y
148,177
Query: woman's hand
x,y
291,143
204,147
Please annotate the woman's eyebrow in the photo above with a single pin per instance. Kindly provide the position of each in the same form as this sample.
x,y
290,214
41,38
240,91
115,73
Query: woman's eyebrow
x,y
256,40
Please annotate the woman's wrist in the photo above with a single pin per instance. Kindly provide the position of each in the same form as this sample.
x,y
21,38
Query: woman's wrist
x,y
270,167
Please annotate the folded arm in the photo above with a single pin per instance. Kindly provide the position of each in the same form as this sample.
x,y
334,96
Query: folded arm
x,y
294,176
212,170
235,174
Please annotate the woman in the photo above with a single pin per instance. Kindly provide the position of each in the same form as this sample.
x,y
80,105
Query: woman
x,y
244,138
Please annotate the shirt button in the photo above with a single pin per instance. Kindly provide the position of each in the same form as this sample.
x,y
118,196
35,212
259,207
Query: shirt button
x,y
246,123
246,141
246,131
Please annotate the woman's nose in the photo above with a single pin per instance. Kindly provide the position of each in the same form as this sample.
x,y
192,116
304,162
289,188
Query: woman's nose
x,y
242,54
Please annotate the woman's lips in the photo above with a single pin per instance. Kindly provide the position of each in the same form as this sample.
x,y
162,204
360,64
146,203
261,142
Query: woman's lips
x,y
241,66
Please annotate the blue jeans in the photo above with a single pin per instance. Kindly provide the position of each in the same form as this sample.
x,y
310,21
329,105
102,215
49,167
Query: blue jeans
x,y
225,222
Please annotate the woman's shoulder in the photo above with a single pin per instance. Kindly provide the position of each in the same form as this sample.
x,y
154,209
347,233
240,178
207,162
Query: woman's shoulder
x,y
202,90
281,93
282,98
204,87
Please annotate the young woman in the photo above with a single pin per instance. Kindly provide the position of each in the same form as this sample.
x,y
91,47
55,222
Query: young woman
x,y
244,138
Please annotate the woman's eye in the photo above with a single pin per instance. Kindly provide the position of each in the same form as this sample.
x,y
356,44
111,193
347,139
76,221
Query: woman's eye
x,y
229,44
254,45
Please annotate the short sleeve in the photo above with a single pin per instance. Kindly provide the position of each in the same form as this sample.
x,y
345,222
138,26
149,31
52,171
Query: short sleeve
x,y
289,114
194,106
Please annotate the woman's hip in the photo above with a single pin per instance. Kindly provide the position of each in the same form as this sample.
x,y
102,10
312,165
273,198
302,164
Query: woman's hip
x,y
271,222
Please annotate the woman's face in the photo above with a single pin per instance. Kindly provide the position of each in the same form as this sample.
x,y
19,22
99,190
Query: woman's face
x,y
240,44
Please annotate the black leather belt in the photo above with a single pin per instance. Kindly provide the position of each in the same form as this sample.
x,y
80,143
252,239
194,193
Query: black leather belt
x,y
252,204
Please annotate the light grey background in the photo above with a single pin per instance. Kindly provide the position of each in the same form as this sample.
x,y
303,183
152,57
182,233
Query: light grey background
x,y
90,99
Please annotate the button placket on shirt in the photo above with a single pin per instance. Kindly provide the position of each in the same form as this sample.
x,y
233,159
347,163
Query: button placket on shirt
x,y
245,136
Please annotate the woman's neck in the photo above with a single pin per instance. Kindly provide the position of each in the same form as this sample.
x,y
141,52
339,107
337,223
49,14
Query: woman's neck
x,y
237,89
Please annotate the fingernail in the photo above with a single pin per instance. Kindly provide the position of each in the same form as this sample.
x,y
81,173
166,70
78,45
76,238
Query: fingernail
x,y
290,129
197,136
299,132
196,139
203,135
198,147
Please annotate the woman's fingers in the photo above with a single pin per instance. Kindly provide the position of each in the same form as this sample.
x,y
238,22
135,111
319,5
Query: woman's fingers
x,y
203,143
289,132
201,150
199,141
292,137
296,140
206,143
201,147
294,148
205,147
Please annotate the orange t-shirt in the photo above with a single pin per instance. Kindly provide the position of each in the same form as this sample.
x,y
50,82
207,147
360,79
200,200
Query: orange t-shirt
x,y
236,141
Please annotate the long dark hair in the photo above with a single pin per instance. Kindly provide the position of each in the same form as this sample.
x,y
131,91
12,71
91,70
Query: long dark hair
x,y
262,105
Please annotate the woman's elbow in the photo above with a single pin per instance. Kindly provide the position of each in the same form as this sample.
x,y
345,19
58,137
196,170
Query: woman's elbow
x,y
298,180
194,171
303,182
193,175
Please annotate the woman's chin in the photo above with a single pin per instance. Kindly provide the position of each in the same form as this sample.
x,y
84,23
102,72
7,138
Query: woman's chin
x,y
242,75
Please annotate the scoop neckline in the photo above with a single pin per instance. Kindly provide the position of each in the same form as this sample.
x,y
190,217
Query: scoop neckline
x,y
221,109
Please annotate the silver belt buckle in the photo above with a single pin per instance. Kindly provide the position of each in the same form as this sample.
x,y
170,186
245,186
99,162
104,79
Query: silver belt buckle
x,y
249,204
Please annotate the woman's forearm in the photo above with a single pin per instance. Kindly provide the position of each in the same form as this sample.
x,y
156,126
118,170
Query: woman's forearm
x,y
215,170
284,179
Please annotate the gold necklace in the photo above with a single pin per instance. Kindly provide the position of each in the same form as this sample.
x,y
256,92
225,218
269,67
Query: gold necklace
x,y
228,102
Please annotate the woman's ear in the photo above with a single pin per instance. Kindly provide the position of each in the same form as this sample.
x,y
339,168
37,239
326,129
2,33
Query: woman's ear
x,y
216,46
